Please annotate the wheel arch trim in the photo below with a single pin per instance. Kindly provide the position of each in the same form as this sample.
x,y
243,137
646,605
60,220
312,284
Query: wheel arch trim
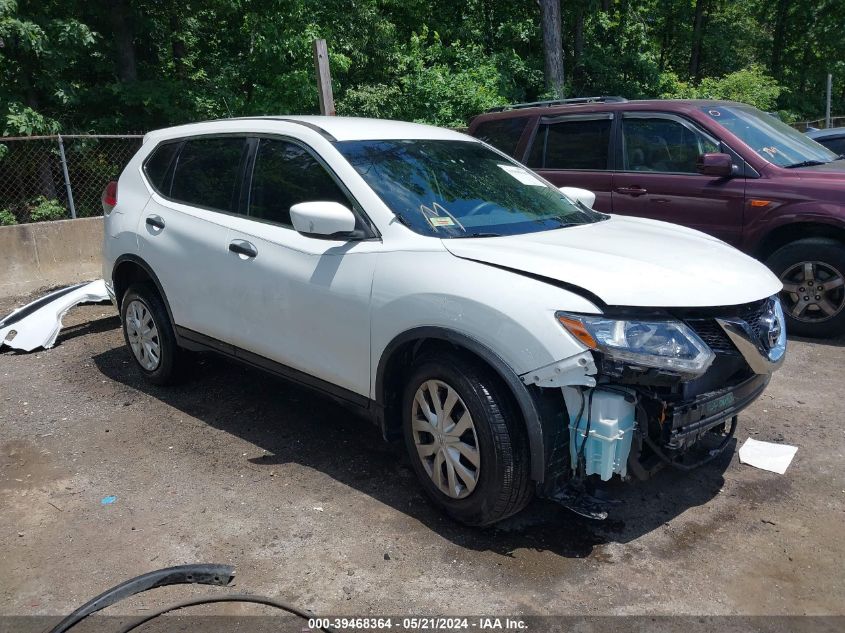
x,y
524,400
138,261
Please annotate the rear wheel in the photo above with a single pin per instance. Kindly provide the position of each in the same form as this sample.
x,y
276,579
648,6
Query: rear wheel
x,y
813,275
149,335
466,444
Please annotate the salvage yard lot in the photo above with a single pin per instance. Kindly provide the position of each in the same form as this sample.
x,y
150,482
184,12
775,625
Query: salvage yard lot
x,y
312,507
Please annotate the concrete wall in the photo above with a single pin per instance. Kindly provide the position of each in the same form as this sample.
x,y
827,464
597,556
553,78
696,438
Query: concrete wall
x,y
44,254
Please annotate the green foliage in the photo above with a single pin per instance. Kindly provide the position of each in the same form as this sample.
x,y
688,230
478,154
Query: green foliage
x,y
69,65
43,210
7,218
24,121
751,85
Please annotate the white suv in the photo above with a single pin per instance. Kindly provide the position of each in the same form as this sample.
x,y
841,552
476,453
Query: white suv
x,y
519,341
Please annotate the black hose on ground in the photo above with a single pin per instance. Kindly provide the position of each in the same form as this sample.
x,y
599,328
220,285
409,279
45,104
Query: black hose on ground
x,y
235,597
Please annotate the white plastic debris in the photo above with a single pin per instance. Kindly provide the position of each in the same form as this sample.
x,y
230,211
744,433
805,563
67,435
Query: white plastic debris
x,y
37,324
766,455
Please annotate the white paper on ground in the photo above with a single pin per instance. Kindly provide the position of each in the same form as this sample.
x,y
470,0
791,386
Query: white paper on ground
x,y
766,455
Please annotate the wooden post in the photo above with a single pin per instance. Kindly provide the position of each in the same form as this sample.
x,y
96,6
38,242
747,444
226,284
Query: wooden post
x,y
827,101
324,78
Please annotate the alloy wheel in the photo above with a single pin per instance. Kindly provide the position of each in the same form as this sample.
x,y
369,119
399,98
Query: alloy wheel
x,y
143,336
445,439
813,291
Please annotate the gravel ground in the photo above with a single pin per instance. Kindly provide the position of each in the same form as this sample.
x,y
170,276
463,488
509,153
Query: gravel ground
x,y
312,507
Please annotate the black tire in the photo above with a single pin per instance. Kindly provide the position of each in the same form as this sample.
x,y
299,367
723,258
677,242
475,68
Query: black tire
x,y
172,359
828,257
503,483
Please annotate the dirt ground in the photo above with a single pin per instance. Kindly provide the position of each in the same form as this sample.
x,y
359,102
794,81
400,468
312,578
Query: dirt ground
x,y
312,507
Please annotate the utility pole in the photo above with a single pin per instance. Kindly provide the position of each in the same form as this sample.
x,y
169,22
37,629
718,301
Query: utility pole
x,y
827,107
324,78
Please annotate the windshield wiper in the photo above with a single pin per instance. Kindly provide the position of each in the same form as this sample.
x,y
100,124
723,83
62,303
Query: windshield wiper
x,y
806,163
458,237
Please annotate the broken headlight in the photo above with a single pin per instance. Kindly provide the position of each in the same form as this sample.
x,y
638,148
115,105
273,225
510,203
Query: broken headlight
x,y
664,344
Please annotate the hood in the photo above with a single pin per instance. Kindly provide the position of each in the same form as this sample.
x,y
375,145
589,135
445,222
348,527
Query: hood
x,y
832,171
631,262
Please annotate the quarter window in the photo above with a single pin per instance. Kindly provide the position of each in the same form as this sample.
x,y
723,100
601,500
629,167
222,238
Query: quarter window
x,y
572,144
207,173
663,145
286,174
158,166
503,134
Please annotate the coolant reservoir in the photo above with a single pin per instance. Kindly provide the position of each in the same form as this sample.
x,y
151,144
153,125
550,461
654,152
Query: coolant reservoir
x,y
612,416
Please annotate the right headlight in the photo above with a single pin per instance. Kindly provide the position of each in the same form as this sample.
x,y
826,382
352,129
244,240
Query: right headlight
x,y
664,344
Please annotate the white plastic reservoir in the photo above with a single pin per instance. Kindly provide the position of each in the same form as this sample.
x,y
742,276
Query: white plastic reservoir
x,y
612,421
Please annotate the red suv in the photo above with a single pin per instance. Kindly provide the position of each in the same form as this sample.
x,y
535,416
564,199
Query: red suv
x,y
724,168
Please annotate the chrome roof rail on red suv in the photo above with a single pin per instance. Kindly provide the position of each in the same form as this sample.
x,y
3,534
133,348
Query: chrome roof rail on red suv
x,y
554,102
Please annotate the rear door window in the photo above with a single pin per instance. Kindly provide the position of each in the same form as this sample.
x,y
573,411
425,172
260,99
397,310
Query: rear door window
x,y
207,173
286,174
572,143
503,134
663,144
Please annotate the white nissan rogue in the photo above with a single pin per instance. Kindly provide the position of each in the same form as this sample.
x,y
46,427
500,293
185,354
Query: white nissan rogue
x,y
520,342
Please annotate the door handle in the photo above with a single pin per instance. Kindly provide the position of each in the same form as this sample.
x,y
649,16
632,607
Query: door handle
x,y
155,221
243,248
632,191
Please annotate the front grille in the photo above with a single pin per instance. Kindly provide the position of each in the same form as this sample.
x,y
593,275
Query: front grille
x,y
753,315
712,333
706,326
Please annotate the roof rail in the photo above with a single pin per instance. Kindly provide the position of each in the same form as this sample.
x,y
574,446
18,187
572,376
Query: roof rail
x,y
572,101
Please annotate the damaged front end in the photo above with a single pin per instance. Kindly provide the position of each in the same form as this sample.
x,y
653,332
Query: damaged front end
x,y
655,385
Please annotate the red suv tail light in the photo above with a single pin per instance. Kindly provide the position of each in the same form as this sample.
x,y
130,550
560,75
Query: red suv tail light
x,y
110,197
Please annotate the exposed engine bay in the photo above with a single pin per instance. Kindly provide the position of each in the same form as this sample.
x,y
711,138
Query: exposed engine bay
x,y
634,420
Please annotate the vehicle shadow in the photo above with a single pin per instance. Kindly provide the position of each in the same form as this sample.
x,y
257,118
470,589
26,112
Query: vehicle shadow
x,y
295,425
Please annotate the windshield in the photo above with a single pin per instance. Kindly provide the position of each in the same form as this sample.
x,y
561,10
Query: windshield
x,y
454,189
770,137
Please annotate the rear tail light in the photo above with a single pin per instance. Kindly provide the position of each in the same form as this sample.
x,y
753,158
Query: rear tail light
x,y
110,197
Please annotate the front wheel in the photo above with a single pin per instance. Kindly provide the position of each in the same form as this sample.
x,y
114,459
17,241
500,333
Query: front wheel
x,y
813,275
466,444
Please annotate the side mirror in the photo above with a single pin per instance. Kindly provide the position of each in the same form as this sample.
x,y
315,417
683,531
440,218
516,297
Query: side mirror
x,y
584,196
714,164
322,219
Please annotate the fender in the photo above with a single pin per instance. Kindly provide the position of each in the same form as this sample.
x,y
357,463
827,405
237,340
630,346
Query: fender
x,y
147,269
525,401
825,216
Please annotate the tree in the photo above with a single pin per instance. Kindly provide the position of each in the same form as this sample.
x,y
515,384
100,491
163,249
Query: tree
x,y
697,38
552,47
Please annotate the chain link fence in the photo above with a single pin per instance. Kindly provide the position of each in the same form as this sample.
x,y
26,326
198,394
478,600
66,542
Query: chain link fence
x,y
57,177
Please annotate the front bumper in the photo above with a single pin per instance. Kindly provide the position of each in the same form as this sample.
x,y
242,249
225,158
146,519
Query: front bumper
x,y
690,420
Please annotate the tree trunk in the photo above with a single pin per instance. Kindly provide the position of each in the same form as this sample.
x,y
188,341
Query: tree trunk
x,y
778,37
697,37
552,47
178,47
665,41
123,41
46,184
578,49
